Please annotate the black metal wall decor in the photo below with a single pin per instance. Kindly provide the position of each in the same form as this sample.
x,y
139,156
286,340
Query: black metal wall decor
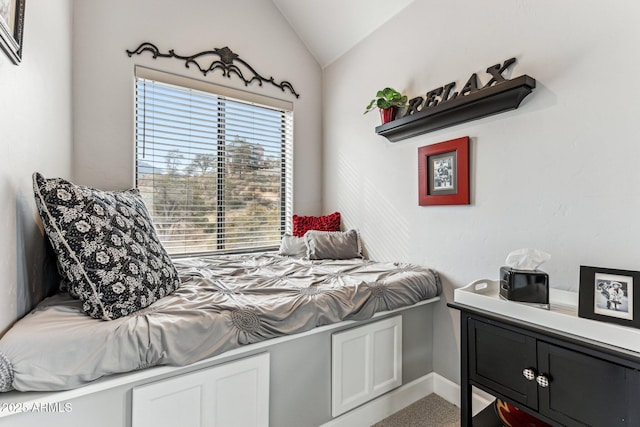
x,y
225,63
441,107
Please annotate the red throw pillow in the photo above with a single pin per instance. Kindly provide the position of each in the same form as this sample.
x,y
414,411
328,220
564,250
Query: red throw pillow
x,y
302,224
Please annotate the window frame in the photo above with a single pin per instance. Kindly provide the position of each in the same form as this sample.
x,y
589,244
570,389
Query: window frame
x,y
233,95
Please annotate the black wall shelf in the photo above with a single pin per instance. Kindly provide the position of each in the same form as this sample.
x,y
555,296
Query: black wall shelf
x,y
501,97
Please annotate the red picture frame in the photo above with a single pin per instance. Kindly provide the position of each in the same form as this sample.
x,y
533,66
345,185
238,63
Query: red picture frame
x,y
443,173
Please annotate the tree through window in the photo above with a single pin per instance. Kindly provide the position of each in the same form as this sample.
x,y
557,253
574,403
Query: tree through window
x,y
214,172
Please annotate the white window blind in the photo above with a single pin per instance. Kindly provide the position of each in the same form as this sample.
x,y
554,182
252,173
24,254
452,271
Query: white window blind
x,y
215,172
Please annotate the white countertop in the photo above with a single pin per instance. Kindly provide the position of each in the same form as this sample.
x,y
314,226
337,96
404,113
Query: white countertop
x,y
562,316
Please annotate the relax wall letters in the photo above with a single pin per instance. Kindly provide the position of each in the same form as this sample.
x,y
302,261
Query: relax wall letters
x,y
444,107
443,94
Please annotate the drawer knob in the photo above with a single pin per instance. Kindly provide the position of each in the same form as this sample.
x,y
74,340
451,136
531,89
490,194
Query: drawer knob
x,y
529,374
542,381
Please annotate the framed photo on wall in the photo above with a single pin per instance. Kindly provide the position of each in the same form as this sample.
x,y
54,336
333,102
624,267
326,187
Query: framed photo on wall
x,y
11,28
443,173
609,295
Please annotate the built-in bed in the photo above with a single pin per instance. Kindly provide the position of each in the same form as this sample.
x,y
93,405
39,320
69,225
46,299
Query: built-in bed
x,y
223,302
222,309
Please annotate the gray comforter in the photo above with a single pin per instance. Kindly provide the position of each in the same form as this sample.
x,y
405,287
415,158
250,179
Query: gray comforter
x,y
224,302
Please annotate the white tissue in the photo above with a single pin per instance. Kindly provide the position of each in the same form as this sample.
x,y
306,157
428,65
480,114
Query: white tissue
x,y
527,259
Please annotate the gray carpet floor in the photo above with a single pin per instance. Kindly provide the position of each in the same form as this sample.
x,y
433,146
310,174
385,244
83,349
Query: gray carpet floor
x,y
431,411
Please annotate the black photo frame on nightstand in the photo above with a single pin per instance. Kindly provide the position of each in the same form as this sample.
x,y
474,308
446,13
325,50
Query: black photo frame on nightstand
x,y
610,295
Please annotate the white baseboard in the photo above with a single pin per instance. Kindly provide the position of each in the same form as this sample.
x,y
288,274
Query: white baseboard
x,y
450,392
385,405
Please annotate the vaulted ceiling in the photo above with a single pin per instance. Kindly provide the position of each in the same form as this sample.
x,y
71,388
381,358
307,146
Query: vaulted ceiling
x,y
329,28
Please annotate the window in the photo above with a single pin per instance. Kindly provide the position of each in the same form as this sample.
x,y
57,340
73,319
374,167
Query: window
x,y
215,171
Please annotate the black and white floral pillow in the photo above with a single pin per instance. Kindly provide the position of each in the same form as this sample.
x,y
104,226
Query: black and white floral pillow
x,y
108,252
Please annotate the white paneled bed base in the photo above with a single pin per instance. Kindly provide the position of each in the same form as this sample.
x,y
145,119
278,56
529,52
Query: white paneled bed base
x,y
366,362
231,394
298,388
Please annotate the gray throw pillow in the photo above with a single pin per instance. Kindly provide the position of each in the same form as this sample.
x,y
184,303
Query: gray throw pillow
x,y
293,246
108,252
333,244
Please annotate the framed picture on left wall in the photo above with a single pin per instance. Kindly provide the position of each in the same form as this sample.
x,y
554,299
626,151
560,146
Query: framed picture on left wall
x,y
11,28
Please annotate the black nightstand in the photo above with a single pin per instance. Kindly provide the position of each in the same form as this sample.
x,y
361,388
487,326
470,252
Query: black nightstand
x,y
562,379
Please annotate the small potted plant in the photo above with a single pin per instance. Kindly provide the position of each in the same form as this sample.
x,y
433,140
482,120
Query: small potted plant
x,y
388,101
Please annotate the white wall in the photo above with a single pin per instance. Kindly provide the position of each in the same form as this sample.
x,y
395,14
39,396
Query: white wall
x,y
104,77
559,174
35,118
